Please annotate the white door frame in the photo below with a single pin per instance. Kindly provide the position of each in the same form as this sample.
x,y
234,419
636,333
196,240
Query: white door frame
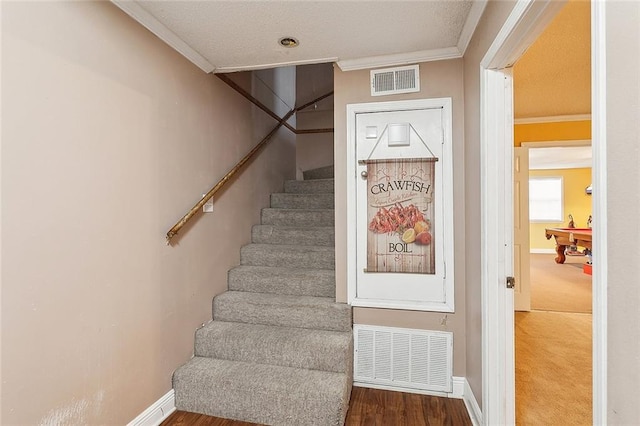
x,y
527,20
447,305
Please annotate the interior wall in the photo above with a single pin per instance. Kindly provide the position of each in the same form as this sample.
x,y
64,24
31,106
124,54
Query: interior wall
x,y
438,79
316,149
494,16
554,131
108,137
575,202
623,204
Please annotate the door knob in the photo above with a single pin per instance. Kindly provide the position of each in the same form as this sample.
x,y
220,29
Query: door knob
x,y
364,174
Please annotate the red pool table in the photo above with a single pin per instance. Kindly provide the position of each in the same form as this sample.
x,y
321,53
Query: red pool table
x,y
569,237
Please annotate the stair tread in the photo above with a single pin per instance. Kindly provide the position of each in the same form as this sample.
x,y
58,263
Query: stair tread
x,y
281,271
310,312
290,247
261,393
283,280
281,299
288,346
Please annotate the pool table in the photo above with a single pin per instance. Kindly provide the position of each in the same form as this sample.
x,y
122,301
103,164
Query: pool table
x,y
569,237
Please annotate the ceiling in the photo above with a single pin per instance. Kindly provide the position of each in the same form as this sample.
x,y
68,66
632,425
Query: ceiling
x,y
224,36
553,77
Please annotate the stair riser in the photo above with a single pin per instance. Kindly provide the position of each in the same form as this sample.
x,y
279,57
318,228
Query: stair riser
x,y
319,173
309,186
249,393
276,258
327,317
297,284
302,201
302,218
269,234
330,352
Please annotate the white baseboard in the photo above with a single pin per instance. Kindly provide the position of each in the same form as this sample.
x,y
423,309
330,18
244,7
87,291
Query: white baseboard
x,y
472,404
157,412
542,251
457,388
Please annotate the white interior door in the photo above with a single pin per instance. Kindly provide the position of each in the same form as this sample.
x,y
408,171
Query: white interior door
x,y
521,261
376,138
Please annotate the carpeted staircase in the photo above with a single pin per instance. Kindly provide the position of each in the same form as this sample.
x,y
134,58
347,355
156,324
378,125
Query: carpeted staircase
x,y
279,350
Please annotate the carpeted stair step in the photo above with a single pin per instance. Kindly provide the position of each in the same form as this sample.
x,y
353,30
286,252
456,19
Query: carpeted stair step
x,y
282,310
315,186
307,236
298,217
284,346
292,256
319,173
302,201
265,394
297,282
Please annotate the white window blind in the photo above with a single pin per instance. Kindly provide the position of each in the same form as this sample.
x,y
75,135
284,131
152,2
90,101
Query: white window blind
x,y
545,199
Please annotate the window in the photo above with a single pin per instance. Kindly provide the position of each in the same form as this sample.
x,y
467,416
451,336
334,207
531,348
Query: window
x,y
545,199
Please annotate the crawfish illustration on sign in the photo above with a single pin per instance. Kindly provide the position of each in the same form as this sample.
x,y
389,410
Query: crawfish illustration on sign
x,y
407,221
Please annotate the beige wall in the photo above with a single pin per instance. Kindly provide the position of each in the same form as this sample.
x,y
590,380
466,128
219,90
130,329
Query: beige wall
x,y
108,137
492,20
438,79
623,208
314,150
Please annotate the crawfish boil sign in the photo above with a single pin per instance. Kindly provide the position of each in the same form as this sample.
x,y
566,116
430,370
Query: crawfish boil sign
x,y
400,211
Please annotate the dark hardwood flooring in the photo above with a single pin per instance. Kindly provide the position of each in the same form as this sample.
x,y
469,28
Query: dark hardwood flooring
x,y
370,407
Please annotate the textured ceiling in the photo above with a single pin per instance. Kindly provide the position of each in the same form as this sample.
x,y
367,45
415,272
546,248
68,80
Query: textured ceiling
x,y
234,35
554,75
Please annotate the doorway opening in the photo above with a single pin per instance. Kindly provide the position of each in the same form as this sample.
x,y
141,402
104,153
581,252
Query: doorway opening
x,y
527,21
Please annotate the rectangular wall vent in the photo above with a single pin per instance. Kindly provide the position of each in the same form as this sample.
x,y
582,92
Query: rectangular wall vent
x,y
392,81
406,358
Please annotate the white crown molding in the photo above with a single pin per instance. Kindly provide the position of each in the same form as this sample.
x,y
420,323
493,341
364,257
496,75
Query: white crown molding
x,y
400,59
274,65
157,412
473,18
147,20
552,119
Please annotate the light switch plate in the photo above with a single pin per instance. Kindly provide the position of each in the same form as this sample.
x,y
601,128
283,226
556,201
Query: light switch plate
x,y
208,206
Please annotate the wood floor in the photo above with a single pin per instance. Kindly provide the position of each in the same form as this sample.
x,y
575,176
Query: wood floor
x,y
370,407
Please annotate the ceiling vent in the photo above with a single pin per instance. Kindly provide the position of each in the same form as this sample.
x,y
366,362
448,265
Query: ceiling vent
x,y
391,81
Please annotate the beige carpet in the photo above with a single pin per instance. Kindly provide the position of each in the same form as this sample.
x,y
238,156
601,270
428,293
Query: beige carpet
x,y
553,368
559,288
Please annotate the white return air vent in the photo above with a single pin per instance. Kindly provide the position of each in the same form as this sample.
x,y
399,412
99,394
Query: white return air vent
x,y
403,358
391,81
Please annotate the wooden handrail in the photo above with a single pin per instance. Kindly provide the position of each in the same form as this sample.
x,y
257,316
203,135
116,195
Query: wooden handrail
x,y
281,122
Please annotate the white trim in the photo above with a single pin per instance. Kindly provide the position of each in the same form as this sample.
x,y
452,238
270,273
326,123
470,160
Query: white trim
x,y
498,370
470,24
527,21
352,110
471,403
599,135
553,144
275,65
553,119
399,59
157,412
542,251
457,393
137,12
457,390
